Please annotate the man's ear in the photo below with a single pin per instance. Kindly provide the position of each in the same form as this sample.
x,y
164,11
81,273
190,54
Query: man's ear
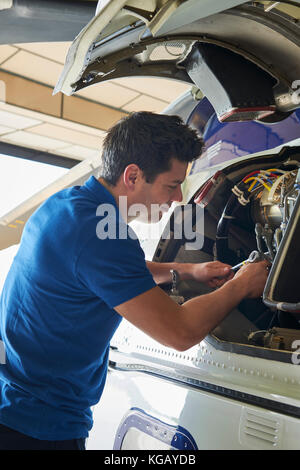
x,y
131,176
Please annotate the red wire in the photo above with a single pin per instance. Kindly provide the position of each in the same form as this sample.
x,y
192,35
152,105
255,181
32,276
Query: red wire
x,y
251,174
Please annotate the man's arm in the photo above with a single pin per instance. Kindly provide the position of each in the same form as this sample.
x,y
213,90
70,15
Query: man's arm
x,y
161,271
214,273
183,326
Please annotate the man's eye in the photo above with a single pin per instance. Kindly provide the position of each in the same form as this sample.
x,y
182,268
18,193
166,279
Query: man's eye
x,y
172,188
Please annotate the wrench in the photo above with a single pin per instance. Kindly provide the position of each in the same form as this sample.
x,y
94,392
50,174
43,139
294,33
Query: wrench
x,y
254,257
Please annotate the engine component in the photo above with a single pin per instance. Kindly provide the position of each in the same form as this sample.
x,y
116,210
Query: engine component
x,y
282,288
272,195
274,203
281,338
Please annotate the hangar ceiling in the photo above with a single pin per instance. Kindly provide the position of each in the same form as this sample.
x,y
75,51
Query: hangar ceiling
x,y
69,126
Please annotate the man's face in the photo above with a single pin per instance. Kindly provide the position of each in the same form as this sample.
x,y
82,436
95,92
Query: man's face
x,y
158,196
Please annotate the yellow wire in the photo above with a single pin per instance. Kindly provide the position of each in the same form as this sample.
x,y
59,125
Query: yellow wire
x,y
255,180
250,187
275,169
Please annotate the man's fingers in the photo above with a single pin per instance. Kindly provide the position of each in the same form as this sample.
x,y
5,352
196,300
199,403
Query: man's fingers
x,y
216,282
217,265
219,270
211,272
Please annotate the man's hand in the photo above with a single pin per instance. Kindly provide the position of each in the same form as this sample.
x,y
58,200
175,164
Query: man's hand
x,y
253,277
213,273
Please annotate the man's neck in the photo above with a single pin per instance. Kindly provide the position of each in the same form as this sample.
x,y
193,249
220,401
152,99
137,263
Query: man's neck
x,y
116,192
110,188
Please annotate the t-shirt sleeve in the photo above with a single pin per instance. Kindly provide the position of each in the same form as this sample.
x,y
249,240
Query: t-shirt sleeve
x,y
114,270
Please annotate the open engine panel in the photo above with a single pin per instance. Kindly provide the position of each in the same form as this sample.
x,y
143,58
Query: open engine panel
x,y
251,206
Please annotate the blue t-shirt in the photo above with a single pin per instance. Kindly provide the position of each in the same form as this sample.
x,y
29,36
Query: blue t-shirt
x,y
57,311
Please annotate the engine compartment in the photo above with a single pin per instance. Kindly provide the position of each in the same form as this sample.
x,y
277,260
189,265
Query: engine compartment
x,y
250,207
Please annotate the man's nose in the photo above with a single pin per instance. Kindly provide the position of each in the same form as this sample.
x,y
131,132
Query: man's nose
x,y
177,194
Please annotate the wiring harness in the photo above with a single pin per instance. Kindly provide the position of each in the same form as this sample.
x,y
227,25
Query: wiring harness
x,y
272,180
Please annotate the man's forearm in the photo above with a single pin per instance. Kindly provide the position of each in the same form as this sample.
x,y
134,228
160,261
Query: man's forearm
x,y
161,271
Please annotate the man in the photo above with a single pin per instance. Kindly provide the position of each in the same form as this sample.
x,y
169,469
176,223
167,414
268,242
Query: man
x,y
69,287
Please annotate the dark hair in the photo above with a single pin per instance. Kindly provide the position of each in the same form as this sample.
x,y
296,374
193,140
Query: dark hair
x,y
150,141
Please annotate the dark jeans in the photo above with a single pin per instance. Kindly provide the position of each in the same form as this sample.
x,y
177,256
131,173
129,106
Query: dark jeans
x,y
14,440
